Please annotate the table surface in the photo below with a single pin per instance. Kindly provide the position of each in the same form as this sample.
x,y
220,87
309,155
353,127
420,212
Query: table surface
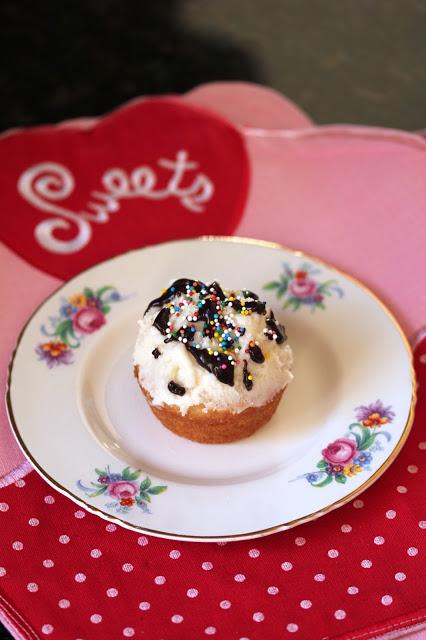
x,y
340,61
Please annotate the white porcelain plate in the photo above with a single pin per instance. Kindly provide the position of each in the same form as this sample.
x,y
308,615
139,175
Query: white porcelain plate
x,y
81,419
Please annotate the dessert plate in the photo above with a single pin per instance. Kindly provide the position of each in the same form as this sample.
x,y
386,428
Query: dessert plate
x,y
80,418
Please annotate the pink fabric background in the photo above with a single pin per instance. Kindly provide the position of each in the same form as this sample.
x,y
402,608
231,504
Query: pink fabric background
x,y
354,196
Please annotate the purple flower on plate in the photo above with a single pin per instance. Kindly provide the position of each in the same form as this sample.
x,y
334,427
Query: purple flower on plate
x,y
94,302
363,458
67,310
334,469
374,414
115,477
54,353
312,477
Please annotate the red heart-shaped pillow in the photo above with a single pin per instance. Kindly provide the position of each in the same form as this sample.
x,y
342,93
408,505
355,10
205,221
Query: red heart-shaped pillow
x,y
153,170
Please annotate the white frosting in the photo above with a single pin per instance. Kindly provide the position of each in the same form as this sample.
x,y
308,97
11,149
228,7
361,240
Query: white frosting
x,y
202,387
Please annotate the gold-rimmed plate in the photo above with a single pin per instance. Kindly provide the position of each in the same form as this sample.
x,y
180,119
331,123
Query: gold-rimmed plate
x,y
80,418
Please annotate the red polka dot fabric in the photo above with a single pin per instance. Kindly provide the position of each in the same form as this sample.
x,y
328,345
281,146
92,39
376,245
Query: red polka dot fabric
x,y
353,574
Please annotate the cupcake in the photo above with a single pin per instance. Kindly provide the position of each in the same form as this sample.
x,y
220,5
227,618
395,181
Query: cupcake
x,y
212,363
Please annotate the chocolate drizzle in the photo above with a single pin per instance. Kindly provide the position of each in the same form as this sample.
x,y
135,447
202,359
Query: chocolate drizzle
x,y
156,353
275,328
249,294
256,353
161,320
256,306
175,388
218,289
219,365
210,303
248,382
179,286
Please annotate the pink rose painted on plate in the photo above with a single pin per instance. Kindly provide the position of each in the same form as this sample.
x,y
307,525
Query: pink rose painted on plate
x,y
340,451
122,487
88,320
79,315
346,457
301,287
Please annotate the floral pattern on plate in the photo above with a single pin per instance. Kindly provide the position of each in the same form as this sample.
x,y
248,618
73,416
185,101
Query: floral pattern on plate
x,y
302,288
124,489
353,453
79,315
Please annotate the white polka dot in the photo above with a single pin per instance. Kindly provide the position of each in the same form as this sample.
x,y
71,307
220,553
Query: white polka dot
x,y
112,592
391,514
33,522
96,553
340,614
401,489
400,576
332,553
422,445
177,619
300,541
111,527
192,593
286,566
346,528
47,629
319,577
64,539
306,604
387,600
412,551
422,358
221,543
207,566
292,627
225,604
143,541
96,618
17,545
48,563
4,506
2,572
379,540
49,499
32,587
366,564
20,483
412,468
174,554
128,632
273,591
240,577
79,514
358,504
258,616
210,631
353,590
422,524
144,606
79,577
127,567
64,603
159,579
254,553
